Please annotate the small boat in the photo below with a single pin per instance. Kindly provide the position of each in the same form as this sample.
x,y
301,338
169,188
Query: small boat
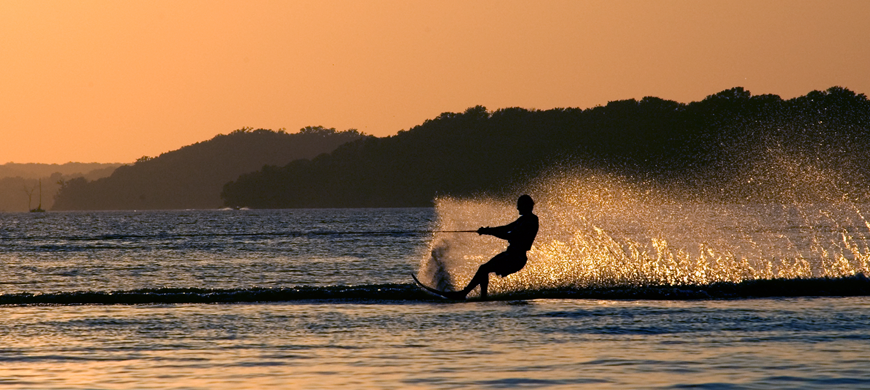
x,y
39,208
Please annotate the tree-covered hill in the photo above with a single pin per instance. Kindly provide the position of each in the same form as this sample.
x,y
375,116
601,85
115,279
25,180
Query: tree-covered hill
x,y
706,149
38,170
20,183
192,177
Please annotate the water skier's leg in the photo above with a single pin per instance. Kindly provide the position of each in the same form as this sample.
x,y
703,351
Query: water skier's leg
x,y
481,278
503,264
484,283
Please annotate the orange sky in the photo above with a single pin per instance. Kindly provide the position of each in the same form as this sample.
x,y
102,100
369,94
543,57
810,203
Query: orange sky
x,y
111,81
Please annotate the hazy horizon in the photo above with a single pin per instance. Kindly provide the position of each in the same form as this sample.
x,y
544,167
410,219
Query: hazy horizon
x,y
110,82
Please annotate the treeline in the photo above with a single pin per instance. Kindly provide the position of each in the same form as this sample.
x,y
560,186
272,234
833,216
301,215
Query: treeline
x,y
19,183
730,146
38,170
192,176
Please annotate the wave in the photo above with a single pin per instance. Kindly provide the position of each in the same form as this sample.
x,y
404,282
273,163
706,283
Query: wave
x,y
856,285
379,292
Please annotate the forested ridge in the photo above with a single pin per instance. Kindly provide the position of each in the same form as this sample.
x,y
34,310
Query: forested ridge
x,y
730,146
20,183
192,176
38,170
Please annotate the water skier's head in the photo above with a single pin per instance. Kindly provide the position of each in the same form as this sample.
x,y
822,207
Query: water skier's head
x,y
525,204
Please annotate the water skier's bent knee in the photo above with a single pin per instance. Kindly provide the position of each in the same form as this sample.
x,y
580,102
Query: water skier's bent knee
x,y
506,263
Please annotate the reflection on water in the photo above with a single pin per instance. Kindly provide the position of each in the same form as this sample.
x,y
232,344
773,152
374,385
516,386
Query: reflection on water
x,y
599,231
111,251
590,239
806,343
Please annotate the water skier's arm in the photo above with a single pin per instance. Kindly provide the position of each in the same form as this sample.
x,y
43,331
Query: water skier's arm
x,y
503,232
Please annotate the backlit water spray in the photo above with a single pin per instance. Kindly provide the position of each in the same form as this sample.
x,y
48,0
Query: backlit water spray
x,y
600,230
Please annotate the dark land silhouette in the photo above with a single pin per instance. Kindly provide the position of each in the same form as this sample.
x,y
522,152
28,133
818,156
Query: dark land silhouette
x,y
38,170
192,176
731,146
19,183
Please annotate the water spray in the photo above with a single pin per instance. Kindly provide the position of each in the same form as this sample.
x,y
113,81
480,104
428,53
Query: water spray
x,y
601,230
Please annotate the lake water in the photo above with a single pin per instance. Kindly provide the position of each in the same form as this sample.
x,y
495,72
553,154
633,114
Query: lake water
x,y
322,299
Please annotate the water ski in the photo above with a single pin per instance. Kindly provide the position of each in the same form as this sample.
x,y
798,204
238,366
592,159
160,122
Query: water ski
x,y
443,294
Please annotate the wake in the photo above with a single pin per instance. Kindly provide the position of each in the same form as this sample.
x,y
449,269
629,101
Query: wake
x,y
856,285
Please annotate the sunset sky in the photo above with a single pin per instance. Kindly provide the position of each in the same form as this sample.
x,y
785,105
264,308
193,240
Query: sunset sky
x,y
112,81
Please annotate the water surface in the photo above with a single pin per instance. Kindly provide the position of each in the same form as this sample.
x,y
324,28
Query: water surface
x,y
361,339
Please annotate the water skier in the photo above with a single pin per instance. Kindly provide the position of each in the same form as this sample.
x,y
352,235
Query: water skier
x,y
520,235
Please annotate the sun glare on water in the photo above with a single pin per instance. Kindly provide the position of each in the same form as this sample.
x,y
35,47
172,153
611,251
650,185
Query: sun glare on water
x,y
600,230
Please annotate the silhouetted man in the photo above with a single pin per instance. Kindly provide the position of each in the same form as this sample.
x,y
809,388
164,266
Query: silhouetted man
x,y
520,235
